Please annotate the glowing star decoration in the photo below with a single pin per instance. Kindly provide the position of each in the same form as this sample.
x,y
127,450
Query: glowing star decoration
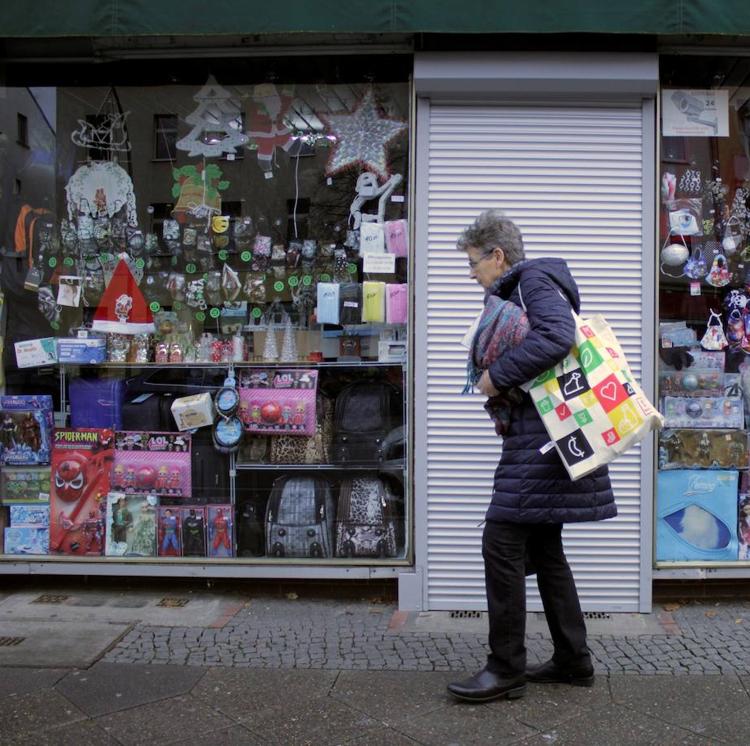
x,y
362,137
217,123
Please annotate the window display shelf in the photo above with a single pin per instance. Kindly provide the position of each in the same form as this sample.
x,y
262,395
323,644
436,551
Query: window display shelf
x,y
243,364
384,466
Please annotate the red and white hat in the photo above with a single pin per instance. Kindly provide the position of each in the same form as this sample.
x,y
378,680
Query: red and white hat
x,y
123,309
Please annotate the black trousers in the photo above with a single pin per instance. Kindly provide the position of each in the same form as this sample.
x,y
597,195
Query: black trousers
x,y
506,548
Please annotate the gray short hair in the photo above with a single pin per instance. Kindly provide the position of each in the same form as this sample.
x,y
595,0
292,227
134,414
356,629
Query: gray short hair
x,y
491,230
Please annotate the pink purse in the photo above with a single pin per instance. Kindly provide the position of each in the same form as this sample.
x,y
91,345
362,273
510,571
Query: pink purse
x,y
396,304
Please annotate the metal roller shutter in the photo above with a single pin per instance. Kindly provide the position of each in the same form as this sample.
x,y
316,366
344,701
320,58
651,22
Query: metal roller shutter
x,y
572,178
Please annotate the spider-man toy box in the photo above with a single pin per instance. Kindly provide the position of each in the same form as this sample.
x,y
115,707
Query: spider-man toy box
x,y
81,466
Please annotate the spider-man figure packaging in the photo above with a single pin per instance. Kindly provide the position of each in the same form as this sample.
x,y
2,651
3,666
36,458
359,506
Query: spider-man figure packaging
x,y
81,465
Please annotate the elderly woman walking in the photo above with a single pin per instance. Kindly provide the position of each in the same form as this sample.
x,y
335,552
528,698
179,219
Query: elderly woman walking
x,y
533,496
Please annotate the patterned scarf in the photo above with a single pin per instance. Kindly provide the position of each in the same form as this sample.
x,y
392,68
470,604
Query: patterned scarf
x,y
503,325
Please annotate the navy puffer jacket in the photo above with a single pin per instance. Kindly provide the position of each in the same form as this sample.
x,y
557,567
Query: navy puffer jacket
x,y
530,486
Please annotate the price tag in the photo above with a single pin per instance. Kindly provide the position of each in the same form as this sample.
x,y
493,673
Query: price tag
x,y
695,288
268,174
155,307
397,198
139,264
214,313
307,280
52,261
246,256
223,254
293,281
256,313
190,268
68,261
200,316
325,277
382,264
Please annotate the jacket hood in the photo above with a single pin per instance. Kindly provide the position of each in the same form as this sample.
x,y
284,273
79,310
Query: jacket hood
x,y
554,268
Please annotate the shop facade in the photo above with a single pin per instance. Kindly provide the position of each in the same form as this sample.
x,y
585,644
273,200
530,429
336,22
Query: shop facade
x,y
253,240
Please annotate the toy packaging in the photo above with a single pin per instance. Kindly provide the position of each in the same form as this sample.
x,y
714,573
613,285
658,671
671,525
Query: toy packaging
x,y
703,449
193,525
81,466
691,382
26,424
26,540
699,412
220,531
152,464
696,515
91,350
32,516
169,536
278,403
743,530
24,485
131,525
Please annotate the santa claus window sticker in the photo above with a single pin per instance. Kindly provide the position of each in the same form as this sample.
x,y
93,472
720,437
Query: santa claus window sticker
x,y
273,239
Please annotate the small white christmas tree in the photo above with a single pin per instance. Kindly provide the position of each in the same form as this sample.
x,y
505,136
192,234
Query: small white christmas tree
x,y
216,123
289,343
271,347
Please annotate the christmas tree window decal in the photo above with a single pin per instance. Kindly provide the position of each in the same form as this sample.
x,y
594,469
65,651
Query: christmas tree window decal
x,y
217,123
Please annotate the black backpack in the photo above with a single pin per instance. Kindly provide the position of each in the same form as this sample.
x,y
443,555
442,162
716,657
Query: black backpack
x,y
365,413
300,517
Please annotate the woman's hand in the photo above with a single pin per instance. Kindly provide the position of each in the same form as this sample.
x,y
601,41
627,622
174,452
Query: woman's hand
x,y
486,386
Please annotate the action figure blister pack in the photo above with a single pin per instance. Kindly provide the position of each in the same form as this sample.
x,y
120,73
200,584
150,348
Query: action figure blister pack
x,y
169,532
131,525
81,465
21,485
152,464
691,382
26,424
220,531
193,531
743,527
703,449
721,411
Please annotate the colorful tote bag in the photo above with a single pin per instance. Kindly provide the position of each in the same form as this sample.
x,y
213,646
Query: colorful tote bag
x,y
590,403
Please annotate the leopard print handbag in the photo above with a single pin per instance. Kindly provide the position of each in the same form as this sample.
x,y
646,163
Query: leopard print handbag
x,y
293,449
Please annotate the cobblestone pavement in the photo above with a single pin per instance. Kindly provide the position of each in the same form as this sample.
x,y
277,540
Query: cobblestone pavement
x,y
697,638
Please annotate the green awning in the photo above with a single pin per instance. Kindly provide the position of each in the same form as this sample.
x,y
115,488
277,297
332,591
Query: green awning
x,y
45,18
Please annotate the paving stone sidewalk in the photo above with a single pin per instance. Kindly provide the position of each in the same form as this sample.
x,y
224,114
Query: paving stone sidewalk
x,y
272,632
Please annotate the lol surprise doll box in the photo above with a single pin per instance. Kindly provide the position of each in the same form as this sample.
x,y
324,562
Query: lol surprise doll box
x,y
279,403
149,463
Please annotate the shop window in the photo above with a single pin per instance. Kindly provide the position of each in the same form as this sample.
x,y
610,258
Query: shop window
x,y
704,312
22,130
229,333
165,137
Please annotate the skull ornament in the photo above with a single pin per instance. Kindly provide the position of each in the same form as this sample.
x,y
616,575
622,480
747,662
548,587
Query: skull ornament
x,y
69,480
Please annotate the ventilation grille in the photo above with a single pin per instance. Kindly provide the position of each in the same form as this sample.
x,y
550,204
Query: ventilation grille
x,y
9,642
465,614
173,603
596,615
50,598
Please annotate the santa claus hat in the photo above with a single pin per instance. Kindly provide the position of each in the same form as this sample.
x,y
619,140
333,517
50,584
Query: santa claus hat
x,y
123,309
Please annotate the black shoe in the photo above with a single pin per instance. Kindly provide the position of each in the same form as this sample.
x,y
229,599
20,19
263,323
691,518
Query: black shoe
x,y
486,686
552,673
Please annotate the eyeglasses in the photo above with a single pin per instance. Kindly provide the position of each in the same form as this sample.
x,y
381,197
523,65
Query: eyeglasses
x,y
474,263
